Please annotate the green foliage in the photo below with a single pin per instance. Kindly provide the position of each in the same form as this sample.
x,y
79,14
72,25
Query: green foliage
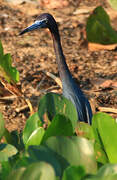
x,y
52,104
73,173
60,126
85,130
73,151
108,169
5,169
107,172
43,153
6,151
113,4
36,137
39,170
6,70
32,124
98,28
105,132
2,128
16,174
100,153
57,153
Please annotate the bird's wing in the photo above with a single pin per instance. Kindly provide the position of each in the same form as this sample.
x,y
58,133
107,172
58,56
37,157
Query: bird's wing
x,y
81,103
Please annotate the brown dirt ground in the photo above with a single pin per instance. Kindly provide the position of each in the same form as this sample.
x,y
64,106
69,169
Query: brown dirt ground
x,y
33,53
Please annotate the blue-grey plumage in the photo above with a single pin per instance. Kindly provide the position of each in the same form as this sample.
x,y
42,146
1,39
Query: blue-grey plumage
x,y
70,88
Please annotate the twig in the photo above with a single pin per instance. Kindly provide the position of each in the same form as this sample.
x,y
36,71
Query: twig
x,y
13,89
8,97
30,106
40,83
48,89
106,109
56,79
22,108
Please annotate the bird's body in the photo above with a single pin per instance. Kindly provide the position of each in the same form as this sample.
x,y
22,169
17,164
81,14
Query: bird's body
x,y
70,89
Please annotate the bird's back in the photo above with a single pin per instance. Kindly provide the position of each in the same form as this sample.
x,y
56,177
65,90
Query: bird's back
x,y
72,92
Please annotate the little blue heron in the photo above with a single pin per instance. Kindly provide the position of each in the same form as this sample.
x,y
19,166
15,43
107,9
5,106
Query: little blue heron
x,y
70,89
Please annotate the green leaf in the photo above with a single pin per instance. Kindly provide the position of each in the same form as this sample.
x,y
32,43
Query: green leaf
x,y
5,169
6,151
32,123
73,173
16,174
113,4
6,70
101,156
36,137
23,162
106,172
73,151
12,138
108,169
60,126
98,28
2,128
52,104
39,170
42,153
87,154
85,130
1,49
107,131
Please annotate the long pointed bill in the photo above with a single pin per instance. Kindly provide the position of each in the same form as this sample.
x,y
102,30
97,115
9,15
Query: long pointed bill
x,y
37,25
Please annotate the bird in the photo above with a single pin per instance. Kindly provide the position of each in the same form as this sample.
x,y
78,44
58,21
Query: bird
x,y
69,87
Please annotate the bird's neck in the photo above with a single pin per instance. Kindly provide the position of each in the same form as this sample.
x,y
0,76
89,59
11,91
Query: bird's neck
x,y
60,58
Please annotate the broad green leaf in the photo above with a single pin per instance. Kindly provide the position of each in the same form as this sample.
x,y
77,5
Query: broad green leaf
x,y
2,128
11,71
107,130
87,154
73,151
6,151
99,147
96,131
36,137
108,169
52,104
16,174
113,4
106,172
98,28
101,156
32,123
60,126
39,171
6,70
73,173
5,169
85,130
23,162
109,177
42,153
14,138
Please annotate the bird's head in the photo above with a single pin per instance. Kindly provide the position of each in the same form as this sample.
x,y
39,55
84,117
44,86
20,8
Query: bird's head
x,y
43,21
